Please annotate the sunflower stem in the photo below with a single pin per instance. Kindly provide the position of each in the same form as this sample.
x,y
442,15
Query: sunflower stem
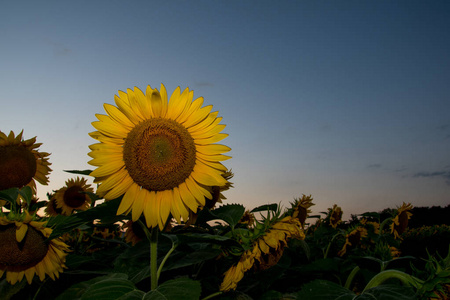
x,y
212,295
165,259
154,258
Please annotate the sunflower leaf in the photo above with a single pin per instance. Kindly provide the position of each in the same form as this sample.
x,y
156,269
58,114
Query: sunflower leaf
x,y
230,213
180,288
9,195
62,224
80,172
272,207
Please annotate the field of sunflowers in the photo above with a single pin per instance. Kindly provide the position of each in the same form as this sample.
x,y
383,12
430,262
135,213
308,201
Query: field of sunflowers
x,y
156,224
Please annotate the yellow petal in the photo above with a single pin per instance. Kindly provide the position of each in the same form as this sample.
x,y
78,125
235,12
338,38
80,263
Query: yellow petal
x,y
212,149
119,189
211,140
108,169
128,199
110,130
151,209
198,116
187,197
118,116
21,231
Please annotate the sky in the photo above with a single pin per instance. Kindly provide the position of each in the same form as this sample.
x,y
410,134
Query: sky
x,y
347,101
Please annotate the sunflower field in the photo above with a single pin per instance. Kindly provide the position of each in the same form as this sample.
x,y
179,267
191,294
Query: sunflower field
x,y
156,223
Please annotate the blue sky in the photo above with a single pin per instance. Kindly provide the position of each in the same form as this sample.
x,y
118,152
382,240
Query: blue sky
x,y
346,100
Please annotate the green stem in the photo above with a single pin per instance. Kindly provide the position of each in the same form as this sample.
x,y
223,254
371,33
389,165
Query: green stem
x,y
165,259
350,277
212,296
329,244
384,224
154,258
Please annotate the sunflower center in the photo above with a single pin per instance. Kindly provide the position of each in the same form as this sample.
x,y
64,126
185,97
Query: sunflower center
x,y
159,154
74,197
26,254
17,166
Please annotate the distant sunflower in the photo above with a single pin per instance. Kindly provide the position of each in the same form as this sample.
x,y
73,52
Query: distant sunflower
x,y
20,162
335,216
353,238
400,222
300,208
51,209
160,155
73,196
25,251
266,252
134,232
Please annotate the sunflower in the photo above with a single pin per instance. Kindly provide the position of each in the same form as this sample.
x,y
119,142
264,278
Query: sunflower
x,y
134,232
300,208
400,222
51,209
73,196
266,252
335,216
353,238
25,251
20,162
160,155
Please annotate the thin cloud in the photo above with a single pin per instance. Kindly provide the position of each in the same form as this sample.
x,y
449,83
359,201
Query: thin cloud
x,y
374,166
58,48
436,174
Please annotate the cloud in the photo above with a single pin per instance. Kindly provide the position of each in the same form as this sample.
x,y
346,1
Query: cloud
x,y
374,166
58,48
436,174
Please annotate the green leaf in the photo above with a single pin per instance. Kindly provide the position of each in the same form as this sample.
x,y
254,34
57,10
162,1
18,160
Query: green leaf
x,y
81,172
135,262
108,289
388,292
272,207
176,289
323,289
9,195
26,193
63,224
230,213
7,291
79,291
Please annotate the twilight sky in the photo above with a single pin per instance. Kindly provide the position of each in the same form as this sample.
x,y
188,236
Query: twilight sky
x,y
346,100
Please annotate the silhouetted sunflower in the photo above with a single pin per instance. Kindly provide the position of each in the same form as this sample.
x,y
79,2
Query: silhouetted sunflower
x,y
400,222
20,162
25,251
73,196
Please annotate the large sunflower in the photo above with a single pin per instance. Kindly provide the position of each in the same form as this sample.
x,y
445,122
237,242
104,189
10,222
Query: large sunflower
x,y
73,196
25,251
160,155
20,162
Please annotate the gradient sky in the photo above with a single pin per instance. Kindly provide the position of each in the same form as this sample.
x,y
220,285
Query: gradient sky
x,y
346,100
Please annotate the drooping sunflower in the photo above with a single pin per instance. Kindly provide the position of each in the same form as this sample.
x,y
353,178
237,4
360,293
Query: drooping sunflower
x,y
400,222
335,216
353,238
25,251
159,154
300,208
73,196
21,163
266,252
